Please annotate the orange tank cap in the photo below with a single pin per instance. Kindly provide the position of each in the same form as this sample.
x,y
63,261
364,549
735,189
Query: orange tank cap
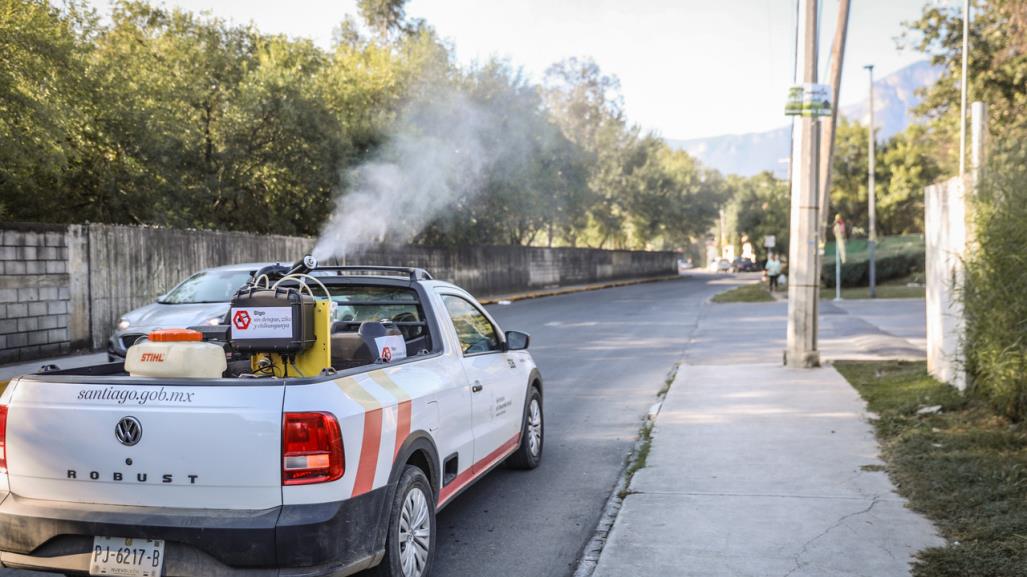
x,y
175,335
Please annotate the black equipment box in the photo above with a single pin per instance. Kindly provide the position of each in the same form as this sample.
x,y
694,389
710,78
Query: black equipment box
x,y
279,320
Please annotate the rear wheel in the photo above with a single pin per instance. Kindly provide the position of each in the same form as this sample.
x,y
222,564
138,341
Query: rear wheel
x,y
529,454
410,546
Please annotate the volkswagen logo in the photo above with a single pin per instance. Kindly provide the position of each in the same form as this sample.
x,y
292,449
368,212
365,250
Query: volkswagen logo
x,y
128,431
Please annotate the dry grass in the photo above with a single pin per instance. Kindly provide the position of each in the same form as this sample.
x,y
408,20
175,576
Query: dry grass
x,y
965,468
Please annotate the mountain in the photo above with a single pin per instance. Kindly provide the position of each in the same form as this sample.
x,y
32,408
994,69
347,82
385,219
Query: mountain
x,y
747,154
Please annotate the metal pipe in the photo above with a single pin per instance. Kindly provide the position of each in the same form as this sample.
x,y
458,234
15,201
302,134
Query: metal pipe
x,y
871,193
963,89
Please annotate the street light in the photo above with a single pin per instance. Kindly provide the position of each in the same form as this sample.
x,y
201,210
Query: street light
x,y
871,197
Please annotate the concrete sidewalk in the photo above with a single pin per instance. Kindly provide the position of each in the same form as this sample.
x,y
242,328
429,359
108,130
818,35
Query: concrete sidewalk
x,y
759,470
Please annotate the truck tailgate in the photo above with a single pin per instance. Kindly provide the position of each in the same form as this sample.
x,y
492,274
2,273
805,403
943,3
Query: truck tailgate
x,y
146,444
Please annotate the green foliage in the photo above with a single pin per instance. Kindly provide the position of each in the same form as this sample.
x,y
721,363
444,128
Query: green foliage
x,y
895,257
641,194
997,68
384,16
160,116
964,467
41,88
903,167
758,208
995,290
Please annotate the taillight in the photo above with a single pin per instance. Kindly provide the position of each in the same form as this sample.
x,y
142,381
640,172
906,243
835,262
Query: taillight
x,y
311,448
3,438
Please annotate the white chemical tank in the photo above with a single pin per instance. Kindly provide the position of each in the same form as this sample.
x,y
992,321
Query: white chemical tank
x,y
176,353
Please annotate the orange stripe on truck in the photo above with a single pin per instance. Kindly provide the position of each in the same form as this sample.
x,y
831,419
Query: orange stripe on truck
x,y
369,448
371,441
478,469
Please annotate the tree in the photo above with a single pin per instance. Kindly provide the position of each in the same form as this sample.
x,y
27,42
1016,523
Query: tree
x,y
997,67
849,174
904,167
909,167
160,116
383,16
759,207
42,84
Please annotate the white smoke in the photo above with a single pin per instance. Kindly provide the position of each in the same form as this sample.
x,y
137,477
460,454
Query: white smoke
x,y
439,155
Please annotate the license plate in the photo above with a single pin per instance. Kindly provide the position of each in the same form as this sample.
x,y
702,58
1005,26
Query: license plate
x,y
122,557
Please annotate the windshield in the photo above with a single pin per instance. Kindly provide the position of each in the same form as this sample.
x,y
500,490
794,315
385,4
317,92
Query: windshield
x,y
207,287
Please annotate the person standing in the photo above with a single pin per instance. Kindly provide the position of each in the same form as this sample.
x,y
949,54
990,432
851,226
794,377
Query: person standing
x,y
773,271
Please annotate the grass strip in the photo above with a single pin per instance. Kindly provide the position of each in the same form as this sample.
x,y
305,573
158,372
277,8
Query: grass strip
x,y
750,293
964,467
884,291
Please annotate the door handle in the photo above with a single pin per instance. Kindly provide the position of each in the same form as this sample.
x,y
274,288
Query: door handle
x,y
476,388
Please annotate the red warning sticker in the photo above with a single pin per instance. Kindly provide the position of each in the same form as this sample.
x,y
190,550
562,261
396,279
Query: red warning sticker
x,y
241,320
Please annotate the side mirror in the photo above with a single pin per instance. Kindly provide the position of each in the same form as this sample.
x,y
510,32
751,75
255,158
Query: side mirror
x,y
517,341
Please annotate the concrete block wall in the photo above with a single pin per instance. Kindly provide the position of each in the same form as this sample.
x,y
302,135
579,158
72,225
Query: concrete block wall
x,y
34,292
498,270
63,288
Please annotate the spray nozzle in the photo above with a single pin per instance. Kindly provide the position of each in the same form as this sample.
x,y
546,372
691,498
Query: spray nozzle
x,y
304,265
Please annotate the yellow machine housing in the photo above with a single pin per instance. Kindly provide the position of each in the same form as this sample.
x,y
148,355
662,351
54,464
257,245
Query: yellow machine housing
x,y
310,362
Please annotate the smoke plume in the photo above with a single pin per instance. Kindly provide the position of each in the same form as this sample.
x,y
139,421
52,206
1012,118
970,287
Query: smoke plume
x,y
439,154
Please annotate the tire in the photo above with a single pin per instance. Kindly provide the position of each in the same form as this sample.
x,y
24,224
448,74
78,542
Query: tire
x,y
410,553
529,453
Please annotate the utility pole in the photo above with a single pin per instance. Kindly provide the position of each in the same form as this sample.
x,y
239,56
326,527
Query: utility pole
x,y
871,194
963,89
827,142
803,278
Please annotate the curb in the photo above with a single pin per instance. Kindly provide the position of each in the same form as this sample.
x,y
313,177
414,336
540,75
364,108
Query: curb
x,y
588,560
575,289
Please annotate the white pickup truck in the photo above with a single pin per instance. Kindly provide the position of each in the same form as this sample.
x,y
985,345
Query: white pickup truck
x,y
267,468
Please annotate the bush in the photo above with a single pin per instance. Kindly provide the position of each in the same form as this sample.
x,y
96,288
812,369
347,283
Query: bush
x,y
896,257
995,291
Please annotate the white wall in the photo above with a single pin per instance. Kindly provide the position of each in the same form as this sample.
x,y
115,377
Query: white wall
x,y
946,231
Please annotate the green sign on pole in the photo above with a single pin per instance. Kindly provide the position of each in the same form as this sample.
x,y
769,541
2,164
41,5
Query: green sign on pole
x,y
809,100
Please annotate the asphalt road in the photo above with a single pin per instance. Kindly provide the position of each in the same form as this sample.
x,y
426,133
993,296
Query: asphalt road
x,y
603,355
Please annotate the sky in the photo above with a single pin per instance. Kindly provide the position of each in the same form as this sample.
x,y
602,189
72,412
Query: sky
x,y
687,68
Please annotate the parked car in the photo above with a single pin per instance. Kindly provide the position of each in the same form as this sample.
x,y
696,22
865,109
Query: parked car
x,y
203,298
744,265
723,265
370,400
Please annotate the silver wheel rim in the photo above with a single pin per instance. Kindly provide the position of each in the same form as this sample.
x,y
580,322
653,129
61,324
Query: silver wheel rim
x,y
414,533
534,428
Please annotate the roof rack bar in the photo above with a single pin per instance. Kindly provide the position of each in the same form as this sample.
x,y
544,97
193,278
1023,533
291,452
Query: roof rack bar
x,y
415,274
